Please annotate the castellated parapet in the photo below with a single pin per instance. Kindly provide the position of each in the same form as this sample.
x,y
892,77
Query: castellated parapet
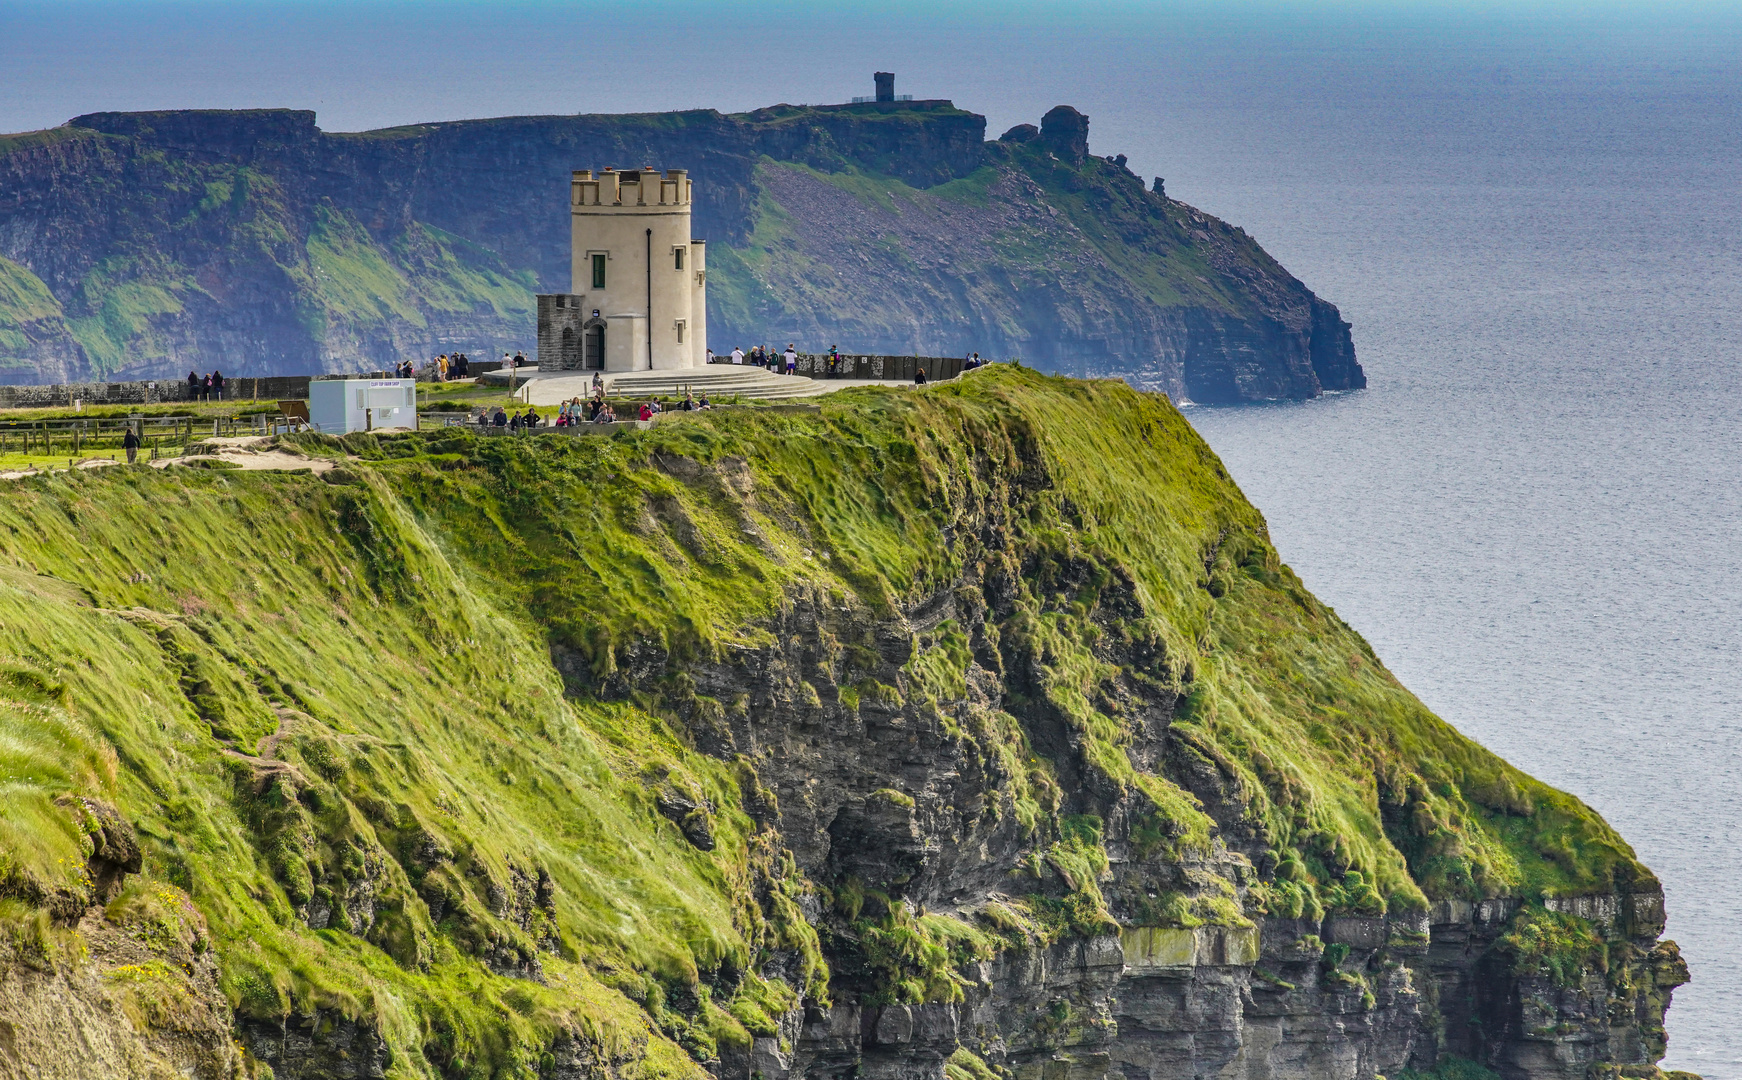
x,y
638,298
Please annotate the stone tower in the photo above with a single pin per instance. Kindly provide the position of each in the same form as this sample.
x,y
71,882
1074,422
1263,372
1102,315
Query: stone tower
x,y
638,297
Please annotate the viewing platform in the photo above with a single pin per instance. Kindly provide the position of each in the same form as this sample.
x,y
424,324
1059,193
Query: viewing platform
x,y
725,379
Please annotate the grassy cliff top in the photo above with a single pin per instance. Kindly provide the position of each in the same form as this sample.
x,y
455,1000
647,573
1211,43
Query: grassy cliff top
x,y
296,688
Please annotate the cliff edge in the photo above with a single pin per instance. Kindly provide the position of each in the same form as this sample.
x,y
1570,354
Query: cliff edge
x,y
970,731
144,245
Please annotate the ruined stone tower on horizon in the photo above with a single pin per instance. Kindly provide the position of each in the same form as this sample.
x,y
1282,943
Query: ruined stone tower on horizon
x,y
638,292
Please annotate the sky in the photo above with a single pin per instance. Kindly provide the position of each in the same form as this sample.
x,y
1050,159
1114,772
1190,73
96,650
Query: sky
x,y
373,63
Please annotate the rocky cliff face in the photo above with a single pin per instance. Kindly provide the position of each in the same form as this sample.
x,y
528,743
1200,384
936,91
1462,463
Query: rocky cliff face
x,y
148,244
968,732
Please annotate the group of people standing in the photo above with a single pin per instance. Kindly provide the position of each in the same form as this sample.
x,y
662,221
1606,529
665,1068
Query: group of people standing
x,y
503,420
457,366
441,369
205,387
764,356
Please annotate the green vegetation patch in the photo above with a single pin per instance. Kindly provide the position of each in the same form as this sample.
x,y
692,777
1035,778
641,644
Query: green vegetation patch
x,y
418,685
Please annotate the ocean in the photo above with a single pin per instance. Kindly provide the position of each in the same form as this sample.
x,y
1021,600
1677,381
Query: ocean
x,y
1533,510
1531,214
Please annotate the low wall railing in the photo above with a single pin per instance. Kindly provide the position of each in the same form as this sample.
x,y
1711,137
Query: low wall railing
x,y
869,366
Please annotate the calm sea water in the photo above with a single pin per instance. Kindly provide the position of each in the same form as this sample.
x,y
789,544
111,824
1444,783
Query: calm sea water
x,y
1533,512
1533,220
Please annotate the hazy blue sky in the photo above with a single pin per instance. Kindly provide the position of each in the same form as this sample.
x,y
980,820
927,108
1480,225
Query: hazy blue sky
x,y
371,63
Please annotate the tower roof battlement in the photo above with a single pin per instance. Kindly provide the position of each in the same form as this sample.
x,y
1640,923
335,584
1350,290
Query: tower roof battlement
x,y
630,189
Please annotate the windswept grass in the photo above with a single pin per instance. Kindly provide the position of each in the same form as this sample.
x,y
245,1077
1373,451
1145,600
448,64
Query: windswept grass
x,y
298,690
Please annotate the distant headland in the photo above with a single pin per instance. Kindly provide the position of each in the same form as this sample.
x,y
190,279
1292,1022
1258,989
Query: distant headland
x,y
143,245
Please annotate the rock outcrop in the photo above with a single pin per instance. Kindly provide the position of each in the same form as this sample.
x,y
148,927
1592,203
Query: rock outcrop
x,y
143,245
965,732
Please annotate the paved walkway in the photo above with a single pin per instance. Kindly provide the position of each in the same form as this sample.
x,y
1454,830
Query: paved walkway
x,y
747,382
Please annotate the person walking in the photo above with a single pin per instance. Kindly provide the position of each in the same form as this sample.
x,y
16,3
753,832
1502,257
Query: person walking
x,y
130,443
791,358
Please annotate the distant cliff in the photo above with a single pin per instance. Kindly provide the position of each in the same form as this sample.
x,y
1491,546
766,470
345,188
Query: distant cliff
x,y
148,244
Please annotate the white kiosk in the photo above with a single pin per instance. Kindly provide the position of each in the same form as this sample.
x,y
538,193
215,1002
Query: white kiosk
x,y
337,406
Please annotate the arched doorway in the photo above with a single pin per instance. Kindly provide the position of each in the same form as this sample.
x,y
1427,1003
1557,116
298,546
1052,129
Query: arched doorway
x,y
595,347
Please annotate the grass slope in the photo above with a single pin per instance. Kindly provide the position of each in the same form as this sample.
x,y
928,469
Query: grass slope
x,y
310,695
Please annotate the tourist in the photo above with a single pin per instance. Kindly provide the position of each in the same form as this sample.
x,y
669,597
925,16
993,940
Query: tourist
x,y
461,367
193,386
834,359
711,356
500,420
483,419
206,389
646,411
218,384
704,401
532,419
130,443
737,355
689,401
791,358
919,377
599,383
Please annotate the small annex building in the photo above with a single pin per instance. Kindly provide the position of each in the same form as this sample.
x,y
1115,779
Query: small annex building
x,y
340,405
638,298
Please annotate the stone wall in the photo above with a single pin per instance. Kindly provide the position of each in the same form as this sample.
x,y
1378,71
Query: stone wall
x,y
872,366
561,333
148,392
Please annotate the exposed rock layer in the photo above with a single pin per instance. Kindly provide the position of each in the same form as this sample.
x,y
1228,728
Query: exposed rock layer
x,y
932,731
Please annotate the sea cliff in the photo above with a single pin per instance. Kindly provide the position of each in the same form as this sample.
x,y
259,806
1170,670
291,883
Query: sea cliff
x,y
143,245
971,731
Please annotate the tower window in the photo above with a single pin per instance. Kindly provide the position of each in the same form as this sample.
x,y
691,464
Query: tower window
x,y
599,271
678,252
680,331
